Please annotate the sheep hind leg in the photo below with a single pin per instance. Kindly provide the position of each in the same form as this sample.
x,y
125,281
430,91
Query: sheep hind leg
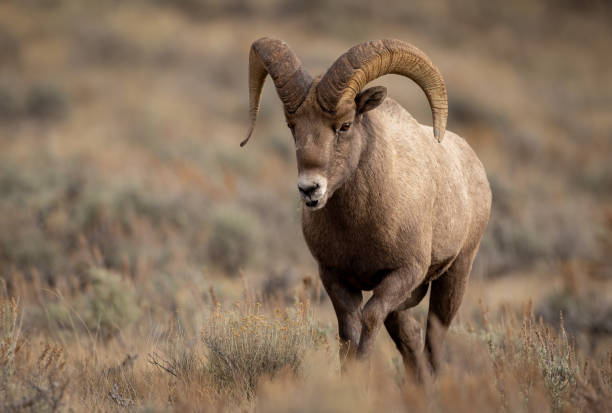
x,y
407,334
445,298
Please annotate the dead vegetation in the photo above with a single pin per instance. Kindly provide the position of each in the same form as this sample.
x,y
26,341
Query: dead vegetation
x,y
121,177
248,357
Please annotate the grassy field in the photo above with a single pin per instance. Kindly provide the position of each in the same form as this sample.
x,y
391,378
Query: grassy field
x,y
147,263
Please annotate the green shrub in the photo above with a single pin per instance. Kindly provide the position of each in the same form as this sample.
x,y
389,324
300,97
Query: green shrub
x,y
107,306
533,354
112,302
521,233
586,316
232,240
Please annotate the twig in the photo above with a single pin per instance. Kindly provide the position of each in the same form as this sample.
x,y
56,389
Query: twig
x,y
153,360
127,363
119,399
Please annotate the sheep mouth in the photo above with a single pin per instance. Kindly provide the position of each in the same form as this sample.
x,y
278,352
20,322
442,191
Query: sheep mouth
x,y
314,204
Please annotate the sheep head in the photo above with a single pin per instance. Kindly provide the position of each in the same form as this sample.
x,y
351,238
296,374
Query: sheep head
x,y
325,115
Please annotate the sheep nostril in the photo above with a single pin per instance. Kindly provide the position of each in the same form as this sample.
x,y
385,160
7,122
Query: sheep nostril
x,y
307,190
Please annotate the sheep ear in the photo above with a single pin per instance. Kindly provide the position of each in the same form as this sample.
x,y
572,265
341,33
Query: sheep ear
x,y
370,98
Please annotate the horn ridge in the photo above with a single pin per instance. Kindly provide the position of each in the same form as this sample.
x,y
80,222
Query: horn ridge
x,y
275,58
370,60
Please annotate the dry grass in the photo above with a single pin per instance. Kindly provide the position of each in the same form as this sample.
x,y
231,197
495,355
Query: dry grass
x,y
125,201
249,358
245,346
28,382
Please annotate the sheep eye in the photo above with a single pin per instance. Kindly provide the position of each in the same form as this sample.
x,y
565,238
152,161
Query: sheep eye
x,y
345,126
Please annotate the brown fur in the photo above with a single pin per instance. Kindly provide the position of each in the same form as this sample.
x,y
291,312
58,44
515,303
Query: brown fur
x,y
401,212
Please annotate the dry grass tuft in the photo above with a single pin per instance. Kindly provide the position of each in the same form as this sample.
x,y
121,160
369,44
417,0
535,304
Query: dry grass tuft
x,y
27,382
10,341
237,350
244,346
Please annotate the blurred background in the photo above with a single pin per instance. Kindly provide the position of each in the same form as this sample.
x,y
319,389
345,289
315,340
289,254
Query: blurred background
x,y
125,198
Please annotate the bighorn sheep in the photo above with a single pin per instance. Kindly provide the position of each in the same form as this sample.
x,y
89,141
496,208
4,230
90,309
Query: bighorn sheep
x,y
387,208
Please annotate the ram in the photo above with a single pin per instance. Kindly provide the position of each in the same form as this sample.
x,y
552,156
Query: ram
x,y
389,205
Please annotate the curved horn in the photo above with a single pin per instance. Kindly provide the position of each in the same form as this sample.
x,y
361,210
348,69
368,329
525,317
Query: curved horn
x,y
367,61
275,57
